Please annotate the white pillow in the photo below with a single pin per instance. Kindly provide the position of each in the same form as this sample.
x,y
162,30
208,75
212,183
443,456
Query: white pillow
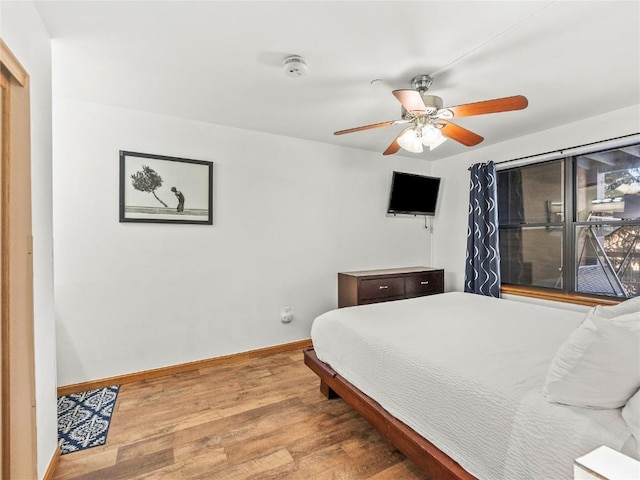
x,y
631,305
598,366
631,415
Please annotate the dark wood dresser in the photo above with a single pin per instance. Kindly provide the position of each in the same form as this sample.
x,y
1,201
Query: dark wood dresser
x,y
373,286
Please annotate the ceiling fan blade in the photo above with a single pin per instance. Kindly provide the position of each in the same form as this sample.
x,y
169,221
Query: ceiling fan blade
x,y
368,127
506,104
410,100
460,134
393,147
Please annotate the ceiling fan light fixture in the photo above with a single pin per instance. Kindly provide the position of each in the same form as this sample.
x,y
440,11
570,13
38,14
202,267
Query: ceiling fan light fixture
x,y
410,141
431,135
430,122
436,144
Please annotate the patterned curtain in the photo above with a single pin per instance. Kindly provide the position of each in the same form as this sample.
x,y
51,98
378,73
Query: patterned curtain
x,y
482,272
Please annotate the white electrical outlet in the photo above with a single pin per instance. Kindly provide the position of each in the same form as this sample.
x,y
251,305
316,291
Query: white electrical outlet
x,y
286,316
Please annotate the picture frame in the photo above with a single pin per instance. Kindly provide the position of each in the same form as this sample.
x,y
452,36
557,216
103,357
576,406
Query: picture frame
x,y
163,189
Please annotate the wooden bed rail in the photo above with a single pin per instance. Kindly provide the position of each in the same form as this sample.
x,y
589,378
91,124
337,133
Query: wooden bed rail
x,y
416,448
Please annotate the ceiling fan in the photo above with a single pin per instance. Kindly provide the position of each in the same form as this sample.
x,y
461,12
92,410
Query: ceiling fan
x,y
430,123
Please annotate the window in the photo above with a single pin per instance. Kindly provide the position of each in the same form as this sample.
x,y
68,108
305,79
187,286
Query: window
x,y
573,224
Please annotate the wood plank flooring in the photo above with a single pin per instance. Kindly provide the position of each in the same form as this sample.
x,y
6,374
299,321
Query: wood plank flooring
x,y
261,419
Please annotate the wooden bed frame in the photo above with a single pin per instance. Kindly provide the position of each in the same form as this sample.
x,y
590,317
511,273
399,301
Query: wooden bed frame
x,y
418,449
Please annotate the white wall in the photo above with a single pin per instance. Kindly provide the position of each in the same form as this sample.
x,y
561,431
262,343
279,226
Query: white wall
x,y
288,215
450,226
24,33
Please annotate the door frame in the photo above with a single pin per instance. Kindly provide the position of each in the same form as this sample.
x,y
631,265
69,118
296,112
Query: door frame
x,y
18,445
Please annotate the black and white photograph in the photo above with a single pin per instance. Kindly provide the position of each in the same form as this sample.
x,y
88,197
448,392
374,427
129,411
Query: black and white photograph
x,y
162,189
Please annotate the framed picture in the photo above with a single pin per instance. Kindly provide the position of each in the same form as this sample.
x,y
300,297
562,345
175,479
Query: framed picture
x,y
160,189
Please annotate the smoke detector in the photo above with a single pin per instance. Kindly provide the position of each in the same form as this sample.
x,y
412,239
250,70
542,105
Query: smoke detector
x,y
295,66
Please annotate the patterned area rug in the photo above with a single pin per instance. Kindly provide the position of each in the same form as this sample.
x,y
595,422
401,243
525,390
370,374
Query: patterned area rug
x,y
83,418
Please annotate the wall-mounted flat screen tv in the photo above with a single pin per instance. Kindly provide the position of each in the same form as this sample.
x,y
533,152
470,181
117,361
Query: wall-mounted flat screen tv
x,y
413,194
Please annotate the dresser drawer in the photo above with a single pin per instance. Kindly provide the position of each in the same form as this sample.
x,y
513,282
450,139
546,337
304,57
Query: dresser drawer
x,y
424,284
381,288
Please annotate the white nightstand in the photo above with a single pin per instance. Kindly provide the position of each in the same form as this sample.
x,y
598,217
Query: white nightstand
x,y
604,463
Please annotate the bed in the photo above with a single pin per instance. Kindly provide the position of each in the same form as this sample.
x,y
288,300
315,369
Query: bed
x,y
455,381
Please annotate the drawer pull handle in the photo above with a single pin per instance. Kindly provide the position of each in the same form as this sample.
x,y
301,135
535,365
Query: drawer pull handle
x,y
424,283
383,287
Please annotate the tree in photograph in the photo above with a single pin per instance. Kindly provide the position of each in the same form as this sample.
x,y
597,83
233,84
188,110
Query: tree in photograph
x,y
147,180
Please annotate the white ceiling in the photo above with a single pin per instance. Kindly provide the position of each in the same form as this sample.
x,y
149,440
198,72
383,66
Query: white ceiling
x,y
220,62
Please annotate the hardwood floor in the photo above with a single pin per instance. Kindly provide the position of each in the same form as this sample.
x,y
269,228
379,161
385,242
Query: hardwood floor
x,y
255,419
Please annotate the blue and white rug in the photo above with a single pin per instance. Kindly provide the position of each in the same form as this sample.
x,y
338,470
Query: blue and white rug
x,y
83,418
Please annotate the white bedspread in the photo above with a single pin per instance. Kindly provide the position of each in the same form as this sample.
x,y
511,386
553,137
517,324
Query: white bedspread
x,y
466,372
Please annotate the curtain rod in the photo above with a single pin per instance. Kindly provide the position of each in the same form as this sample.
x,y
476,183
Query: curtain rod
x,y
587,147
